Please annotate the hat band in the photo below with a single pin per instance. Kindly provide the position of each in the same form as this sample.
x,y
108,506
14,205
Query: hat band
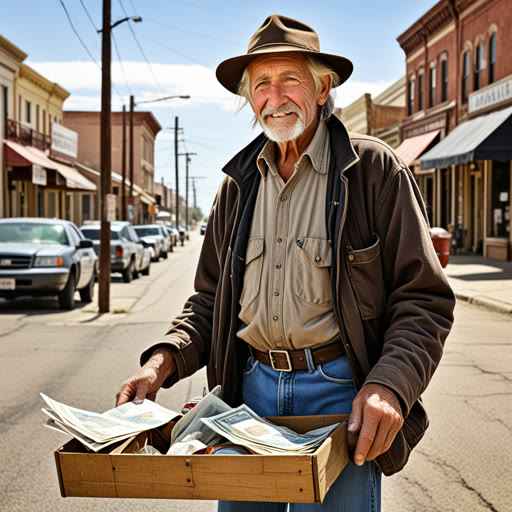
x,y
282,44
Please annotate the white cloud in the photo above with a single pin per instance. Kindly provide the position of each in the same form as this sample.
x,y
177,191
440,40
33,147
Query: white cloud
x,y
194,80
350,91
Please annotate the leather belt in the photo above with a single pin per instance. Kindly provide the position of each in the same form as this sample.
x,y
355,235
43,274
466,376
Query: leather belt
x,y
288,360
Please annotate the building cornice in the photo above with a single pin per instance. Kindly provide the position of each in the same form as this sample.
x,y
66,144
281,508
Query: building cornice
x,y
430,23
52,88
15,52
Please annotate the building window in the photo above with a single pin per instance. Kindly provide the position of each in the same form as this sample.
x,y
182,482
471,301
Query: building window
x,y
420,91
37,118
465,77
20,103
44,121
432,88
492,58
28,111
444,80
500,199
86,207
479,66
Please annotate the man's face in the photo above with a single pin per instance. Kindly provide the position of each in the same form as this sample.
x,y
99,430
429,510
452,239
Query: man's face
x,y
284,97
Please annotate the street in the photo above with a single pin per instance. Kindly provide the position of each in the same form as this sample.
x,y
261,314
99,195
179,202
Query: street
x,y
80,358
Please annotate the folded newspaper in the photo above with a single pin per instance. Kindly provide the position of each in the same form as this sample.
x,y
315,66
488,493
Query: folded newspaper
x,y
243,426
97,431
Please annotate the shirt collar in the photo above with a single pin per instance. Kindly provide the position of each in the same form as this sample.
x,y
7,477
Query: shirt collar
x,y
317,152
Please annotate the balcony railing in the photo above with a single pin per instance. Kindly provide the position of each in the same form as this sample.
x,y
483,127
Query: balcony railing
x,y
27,136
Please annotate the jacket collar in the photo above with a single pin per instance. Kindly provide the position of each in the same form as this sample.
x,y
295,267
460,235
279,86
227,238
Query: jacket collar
x,y
243,165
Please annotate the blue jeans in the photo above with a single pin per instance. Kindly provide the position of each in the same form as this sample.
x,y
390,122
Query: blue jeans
x,y
328,390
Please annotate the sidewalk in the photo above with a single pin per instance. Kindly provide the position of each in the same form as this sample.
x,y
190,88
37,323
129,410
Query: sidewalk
x,y
481,281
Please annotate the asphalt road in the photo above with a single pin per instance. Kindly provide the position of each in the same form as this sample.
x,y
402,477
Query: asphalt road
x,y
80,358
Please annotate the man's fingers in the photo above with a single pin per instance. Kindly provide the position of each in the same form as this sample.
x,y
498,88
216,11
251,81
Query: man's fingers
x,y
355,418
379,441
366,437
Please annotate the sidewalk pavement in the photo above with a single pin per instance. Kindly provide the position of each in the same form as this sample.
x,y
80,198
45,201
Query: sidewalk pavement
x,y
481,281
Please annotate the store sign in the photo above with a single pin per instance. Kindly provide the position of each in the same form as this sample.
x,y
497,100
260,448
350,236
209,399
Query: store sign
x,y
38,175
491,96
64,140
111,207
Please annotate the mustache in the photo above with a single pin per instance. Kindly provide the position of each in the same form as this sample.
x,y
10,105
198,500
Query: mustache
x,y
285,108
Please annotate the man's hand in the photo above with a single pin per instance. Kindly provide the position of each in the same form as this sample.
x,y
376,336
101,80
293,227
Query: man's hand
x,y
149,379
377,416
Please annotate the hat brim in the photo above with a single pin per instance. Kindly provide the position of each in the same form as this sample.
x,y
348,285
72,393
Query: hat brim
x,y
229,72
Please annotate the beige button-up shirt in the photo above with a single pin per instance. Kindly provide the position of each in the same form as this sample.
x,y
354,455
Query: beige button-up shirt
x,y
286,301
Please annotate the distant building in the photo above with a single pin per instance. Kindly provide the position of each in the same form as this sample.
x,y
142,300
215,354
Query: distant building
x,y
38,176
142,202
380,116
459,119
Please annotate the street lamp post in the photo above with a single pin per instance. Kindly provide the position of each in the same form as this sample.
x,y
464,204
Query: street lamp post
x,y
105,153
188,159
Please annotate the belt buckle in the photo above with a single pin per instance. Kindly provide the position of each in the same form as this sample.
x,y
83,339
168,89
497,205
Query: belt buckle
x,y
288,360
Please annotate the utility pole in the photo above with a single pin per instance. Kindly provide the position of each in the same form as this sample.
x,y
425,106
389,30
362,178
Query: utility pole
x,y
105,162
123,167
188,159
194,188
177,173
130,158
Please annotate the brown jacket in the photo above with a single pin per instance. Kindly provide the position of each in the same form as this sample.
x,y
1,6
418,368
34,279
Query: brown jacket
x,y
393,304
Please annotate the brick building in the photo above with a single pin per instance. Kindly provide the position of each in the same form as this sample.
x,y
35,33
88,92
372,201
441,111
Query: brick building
x,y
145,129
459,122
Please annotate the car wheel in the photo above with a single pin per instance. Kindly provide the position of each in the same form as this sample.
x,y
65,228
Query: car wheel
x,y
171,248
128,272
67,295
145,272
164,254
87,293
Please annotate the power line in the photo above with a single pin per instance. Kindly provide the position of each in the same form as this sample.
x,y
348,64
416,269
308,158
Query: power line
x,y
198,34
88,15
173,50
121,64
77,34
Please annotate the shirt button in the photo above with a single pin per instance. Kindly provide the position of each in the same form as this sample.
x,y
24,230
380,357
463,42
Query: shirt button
x,y
275,318
279,240
351,257
299,242
279,344
278,265
284,198
276,294
317,258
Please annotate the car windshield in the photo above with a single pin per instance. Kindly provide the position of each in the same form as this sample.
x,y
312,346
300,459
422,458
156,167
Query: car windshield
x,y
94,234
33,233
147,231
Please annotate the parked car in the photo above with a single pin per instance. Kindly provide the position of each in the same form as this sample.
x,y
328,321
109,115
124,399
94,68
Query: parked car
x,y
129,255
203,228
155,237
170,234
175,233
41,256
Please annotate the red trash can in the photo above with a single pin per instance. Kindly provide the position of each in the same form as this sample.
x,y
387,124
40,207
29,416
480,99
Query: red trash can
x,y
442,241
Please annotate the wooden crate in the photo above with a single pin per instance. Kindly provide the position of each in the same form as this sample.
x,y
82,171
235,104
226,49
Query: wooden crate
x,y
279,478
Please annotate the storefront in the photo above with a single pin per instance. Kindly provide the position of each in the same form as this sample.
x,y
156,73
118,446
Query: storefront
x,y
41,187
479,154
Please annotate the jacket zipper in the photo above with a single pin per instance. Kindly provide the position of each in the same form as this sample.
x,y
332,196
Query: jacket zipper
x,y
337,312
230,249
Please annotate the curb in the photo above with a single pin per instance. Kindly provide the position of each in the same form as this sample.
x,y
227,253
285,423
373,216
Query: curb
x,y
486,303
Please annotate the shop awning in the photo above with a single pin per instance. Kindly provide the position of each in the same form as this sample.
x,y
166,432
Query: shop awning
x,y
487,137
18,155
410,149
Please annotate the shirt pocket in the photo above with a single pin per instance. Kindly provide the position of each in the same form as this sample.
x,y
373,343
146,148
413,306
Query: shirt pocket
x,y
253,268
313,263
367,278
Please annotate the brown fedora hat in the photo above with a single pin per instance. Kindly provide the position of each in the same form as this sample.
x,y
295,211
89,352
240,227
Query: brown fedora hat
x,y
280,34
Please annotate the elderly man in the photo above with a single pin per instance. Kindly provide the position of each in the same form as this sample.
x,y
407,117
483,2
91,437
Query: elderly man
x,y
317,290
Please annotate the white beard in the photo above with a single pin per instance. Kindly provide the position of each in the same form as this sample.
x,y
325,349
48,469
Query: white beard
x,y
283,133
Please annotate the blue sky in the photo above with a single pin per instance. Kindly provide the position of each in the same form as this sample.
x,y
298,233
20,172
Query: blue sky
x,y
184,41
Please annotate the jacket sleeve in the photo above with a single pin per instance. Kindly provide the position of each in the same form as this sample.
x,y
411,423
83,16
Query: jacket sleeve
x,y
189,334
420,302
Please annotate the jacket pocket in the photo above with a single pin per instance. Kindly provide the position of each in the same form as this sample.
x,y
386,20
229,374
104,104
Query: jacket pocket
x,y
367,279
313,261
253,267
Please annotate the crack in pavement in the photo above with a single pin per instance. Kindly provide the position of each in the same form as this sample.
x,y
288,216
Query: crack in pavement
x,y
460,478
